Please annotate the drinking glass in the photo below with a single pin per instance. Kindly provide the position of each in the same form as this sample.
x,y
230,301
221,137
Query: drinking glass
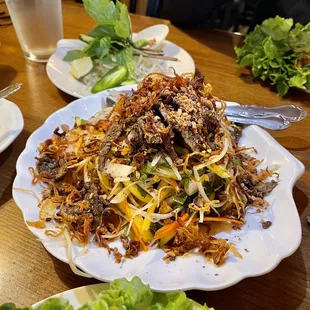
x,y
38,26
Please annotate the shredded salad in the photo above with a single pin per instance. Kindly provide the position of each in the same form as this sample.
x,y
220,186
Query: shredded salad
x,y
153,170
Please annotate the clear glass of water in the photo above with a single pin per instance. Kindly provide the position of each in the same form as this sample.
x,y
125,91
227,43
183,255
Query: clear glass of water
x,y
38,25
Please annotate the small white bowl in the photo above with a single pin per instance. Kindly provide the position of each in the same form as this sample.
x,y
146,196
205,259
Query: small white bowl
x,y
157,32
11,123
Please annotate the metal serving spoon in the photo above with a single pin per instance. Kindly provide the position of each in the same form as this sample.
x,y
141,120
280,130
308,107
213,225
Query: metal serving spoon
x,y
275,118
10,90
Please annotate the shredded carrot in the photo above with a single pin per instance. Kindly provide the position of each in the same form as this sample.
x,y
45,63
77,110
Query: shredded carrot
x,y
218,219
170,228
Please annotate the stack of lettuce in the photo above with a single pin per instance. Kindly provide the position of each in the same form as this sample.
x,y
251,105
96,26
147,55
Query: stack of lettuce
x,y
278,52
124,295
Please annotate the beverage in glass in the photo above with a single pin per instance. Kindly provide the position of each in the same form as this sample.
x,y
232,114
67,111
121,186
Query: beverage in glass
x,y
38,25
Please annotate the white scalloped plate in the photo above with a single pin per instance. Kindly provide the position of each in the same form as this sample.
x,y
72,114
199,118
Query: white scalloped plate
x,y
58,71
262,249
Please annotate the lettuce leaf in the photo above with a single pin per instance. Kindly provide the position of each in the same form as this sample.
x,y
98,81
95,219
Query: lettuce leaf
x,y
175,301
277,28
299,38
11,306
136,295
55,304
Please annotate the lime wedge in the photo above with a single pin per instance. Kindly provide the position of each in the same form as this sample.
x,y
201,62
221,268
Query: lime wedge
x,y
80,67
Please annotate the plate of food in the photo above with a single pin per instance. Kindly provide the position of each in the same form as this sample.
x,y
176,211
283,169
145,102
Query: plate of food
x,y
110,56
120,294
161,186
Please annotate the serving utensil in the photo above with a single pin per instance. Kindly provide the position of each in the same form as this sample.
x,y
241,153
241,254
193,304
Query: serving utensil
x,y
273,118
11,89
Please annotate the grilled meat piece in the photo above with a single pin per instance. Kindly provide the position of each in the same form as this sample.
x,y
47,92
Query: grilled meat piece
x,y
182,122
48,166
236,133
113,133
263,188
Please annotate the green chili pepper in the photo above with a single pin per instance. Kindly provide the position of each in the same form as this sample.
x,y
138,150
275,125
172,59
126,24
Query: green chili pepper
x,y
111,79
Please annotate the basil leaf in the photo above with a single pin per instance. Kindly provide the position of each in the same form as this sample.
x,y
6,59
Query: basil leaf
x,y
122,26
125,57
101,31
103,12
74,54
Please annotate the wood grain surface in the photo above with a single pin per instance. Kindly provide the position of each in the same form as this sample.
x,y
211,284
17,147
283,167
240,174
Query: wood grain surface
x,y
28,273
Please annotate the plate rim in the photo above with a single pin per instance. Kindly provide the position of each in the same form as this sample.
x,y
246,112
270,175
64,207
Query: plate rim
x,y
77,95
298,171
19,124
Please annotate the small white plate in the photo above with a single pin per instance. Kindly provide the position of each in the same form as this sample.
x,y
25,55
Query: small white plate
x,y
58,70
262,249
11,123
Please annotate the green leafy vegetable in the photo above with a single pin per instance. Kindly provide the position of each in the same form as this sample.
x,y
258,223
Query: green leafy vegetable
x,y
124,57
55,304
123,295
122,26
277,28
101,31
174,301
278,53
110,40
11,306
74,54
103,12
299,38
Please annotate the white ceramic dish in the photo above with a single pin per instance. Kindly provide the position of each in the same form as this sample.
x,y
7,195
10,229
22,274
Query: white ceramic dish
x,y
77,297
157,32
11,123
262,250
58,70
80,295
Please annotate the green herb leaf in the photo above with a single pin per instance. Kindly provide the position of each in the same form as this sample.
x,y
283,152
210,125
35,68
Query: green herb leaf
x,y
103,12
125,57
122,26
101,31
98,48
74,54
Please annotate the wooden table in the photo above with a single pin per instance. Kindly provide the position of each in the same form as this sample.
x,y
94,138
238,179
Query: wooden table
x,y
28,273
